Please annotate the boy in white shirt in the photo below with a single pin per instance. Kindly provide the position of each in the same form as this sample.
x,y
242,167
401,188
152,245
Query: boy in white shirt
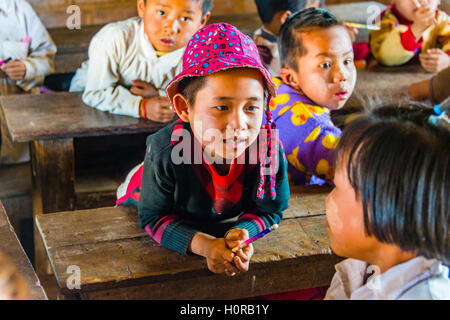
x,y
27,55
132,61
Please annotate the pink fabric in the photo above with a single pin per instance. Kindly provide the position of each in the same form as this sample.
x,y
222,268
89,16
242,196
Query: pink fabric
x,y
160,226
255,218
133,187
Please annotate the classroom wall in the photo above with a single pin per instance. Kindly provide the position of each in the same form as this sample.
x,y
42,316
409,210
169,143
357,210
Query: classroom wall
x,y
53,12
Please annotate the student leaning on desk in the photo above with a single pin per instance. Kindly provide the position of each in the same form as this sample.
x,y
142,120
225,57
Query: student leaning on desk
x,y
27,55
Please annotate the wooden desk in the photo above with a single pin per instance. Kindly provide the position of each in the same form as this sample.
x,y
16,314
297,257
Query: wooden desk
x,y
386,85
50,122
10,245
118,260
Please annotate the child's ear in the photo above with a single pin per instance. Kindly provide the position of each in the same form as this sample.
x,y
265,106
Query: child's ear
x,y
181,106
141,8
284,16
290,77
205,19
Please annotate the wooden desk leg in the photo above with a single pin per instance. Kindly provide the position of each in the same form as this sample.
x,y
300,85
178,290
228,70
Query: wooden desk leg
x,y
53,179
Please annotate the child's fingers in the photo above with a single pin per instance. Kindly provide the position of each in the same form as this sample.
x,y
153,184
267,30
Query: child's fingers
x,y
230,268
240,265
136,91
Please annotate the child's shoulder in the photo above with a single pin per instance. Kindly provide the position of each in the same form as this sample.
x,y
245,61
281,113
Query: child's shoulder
x,y
120,30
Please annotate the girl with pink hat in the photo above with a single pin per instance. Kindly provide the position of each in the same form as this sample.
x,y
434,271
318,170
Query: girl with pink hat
x,y
216,176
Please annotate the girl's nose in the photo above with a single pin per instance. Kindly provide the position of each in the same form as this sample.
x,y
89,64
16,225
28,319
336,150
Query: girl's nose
x,y
173,26
238,120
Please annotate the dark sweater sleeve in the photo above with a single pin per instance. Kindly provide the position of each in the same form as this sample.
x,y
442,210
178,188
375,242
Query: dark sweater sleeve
x,y
156,211
263,213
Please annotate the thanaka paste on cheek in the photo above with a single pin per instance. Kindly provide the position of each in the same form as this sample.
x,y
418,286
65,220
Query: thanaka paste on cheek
x,y
333,219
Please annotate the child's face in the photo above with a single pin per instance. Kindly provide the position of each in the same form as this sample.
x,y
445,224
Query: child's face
x,y
407,7
169,24
345,222
326,72
228,112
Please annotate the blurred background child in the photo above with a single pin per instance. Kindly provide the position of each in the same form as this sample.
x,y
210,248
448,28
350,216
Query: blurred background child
x,y
132,61
27,55
412,28
318,75
12,285
273,13
436,89
389,211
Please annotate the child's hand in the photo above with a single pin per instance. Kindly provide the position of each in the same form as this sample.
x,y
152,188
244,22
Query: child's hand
x,y
143,89
424,17
158,109
242,258
15,70
434,60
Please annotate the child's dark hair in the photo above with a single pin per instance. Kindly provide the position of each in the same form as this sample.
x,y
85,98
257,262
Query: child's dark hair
x,y
268,8
398,164
290,43
207,6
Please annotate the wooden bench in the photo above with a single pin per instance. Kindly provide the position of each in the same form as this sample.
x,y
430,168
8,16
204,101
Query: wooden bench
x,y
51,123
118,260
11,247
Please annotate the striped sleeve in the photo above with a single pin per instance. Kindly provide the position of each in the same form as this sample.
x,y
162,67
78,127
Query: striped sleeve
x,y
156,201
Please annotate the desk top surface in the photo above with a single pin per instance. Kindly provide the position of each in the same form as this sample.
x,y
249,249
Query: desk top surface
x,y
10,245
108,245
63,115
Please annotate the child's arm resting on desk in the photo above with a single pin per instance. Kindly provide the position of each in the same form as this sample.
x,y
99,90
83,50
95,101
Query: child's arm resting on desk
x,y
40,61
263,213
103,90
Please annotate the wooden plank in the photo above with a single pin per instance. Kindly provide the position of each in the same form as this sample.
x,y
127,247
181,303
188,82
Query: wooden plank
x,y
112,251
62,115
10,245
306,201
53,176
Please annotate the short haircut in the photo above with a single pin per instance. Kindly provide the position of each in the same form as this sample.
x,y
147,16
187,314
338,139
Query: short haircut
x,y
398,165
290,42
207,6
268,8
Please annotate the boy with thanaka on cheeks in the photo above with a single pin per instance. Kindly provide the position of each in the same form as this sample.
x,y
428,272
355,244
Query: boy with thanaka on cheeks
x,y
411,27
318,75
132,61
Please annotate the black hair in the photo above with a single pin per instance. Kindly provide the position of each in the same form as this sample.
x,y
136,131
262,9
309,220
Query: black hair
x,y
290,43
207,6
398,164
268,8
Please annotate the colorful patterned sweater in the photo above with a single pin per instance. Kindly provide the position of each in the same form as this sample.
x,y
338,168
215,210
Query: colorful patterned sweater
x,y
394,44
177,200
308,135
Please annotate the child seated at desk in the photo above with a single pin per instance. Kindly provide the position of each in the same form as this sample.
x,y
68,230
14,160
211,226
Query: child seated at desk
x,y
318,75
273,13
215,163
390,208
410,28
132,61
27,55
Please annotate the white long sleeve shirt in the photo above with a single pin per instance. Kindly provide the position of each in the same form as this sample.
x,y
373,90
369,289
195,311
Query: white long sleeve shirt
x,y
119,53
416,279
24,37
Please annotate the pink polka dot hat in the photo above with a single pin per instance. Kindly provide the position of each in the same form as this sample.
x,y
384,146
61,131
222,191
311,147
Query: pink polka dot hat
x,y
219,47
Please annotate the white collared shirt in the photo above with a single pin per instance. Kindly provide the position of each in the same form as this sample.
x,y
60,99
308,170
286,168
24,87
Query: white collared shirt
x,y
416,279
119,53
24,37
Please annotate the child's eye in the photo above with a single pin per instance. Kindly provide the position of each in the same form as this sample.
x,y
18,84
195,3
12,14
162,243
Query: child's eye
x,y
252,108
161,13
185,19
325,65
348,61
221,108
